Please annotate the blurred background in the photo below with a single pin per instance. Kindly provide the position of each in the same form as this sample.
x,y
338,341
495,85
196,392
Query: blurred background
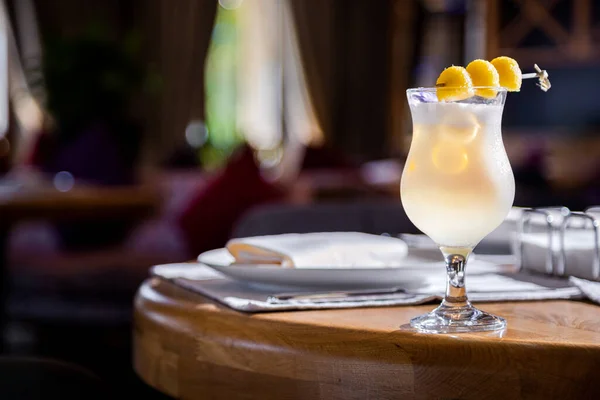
x,y
140,132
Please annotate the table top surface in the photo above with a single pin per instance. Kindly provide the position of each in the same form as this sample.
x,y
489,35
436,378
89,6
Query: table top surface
x,y
542,323
544,340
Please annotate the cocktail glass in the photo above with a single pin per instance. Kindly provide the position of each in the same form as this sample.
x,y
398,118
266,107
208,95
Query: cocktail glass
x,y
457,187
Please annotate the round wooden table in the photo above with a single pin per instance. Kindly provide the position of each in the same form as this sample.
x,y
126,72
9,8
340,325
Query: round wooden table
x,y
189,347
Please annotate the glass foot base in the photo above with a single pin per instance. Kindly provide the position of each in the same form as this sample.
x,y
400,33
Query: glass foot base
x,y
446,319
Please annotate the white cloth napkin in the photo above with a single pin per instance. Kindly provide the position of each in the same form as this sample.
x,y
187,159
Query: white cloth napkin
x,y
590,289
579,248
201,279
326,249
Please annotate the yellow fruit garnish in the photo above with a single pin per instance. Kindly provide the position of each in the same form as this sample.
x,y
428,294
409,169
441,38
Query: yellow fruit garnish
x,y
453,84
510,73
483,73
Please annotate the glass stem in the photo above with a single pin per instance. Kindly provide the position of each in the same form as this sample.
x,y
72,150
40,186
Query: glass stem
x,y
456,291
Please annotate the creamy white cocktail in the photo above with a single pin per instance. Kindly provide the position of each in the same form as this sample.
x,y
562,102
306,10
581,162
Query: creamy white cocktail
x,y
457,185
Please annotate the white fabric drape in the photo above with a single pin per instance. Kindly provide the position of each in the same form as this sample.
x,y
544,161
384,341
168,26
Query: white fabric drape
x,y
3,69
259,69
13,81
271,86
300,117
273,100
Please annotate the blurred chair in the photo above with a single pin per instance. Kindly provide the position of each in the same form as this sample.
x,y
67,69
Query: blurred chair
x,y
37,379
369,217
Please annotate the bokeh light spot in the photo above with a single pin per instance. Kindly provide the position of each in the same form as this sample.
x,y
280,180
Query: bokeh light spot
x,y
63,181
196,134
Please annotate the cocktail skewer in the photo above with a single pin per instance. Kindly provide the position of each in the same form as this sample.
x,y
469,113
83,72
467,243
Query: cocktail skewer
x,y
542,75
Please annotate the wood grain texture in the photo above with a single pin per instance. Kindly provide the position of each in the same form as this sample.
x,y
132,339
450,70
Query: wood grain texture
x,y
192,348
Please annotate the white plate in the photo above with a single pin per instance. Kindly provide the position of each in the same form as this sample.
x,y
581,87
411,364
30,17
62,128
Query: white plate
x,y
419,265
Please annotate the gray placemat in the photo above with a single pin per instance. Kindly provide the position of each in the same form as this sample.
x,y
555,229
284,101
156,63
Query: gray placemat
x,y
253,298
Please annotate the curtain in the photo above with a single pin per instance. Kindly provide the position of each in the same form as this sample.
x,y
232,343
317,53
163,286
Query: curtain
x,y
402,48
314,30
176,37
272,92
344,47
260,73
274,109
301,121
3,69
22,81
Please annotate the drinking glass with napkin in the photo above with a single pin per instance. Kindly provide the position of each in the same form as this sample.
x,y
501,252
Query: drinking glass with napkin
x,y
318,250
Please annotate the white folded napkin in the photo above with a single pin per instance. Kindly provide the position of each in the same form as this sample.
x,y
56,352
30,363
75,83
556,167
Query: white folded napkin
x,y
326,249
579,251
